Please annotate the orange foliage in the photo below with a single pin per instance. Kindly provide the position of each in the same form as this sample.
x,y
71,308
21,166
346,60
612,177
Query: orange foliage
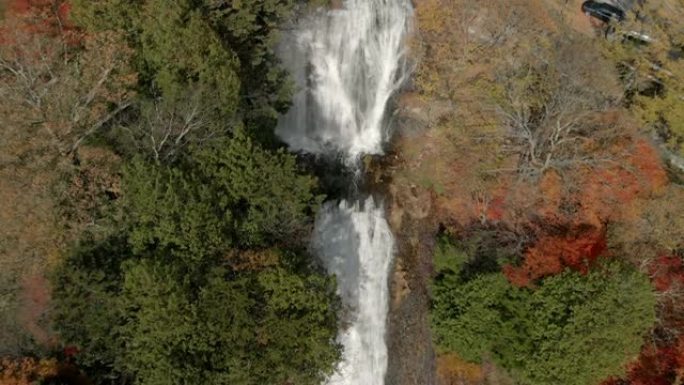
x,y
452,370
30,371
496,208
551,254
646,160
26,371
551,189
606,192
566,211
594,194
253,260
516,276
580,199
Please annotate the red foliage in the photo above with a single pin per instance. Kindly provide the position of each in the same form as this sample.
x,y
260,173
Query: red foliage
x,y
654,366
667,276
517,276
70,351
667,272
43,17
551,254
646,160
608,192
586,197
57,9
18,6
496,209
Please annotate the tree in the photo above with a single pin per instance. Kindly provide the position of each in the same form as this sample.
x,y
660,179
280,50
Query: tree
x,y
230,193
85,289
572,329
175,46
654,366
144,319
550,118
58,87
173,335
549,255
550,106
161,131
453,370
215,51
661,360
202,279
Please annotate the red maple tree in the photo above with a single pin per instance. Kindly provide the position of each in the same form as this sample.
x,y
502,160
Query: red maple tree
x,y
654,366
551,254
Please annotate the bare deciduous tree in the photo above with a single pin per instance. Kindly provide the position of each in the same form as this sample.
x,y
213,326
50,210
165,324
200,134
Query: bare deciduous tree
x,y
551,105
58,88
162,128
67,92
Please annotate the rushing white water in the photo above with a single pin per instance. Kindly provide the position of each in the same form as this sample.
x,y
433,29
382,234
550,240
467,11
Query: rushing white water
x,y
356,244
347,63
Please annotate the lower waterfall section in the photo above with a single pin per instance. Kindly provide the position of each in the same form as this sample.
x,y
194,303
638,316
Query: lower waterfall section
x,y
355,244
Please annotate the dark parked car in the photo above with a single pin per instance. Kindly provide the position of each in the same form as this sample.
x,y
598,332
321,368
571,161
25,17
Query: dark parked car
x,y
603,11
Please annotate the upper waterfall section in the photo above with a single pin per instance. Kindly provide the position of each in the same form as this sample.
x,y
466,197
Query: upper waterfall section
x,y
347,63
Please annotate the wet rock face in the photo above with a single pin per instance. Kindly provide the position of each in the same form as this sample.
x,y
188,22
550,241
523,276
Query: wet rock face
x,y
411,355
412,218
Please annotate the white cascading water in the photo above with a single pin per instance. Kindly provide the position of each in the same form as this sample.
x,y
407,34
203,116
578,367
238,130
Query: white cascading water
x,y
347,63
356,244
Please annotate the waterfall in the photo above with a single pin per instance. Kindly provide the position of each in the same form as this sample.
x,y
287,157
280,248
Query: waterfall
x,y
347,63
356,244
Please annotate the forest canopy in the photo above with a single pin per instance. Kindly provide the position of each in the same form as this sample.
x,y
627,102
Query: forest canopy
x,y
572,328
549,162
156,231
177,223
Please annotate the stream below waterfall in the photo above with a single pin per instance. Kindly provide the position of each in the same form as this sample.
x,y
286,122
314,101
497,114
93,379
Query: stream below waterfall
x,y
347,64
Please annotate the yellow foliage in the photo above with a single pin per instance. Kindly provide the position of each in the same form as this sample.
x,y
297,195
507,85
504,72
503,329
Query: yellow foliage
x,y
26,371
453,370
654,72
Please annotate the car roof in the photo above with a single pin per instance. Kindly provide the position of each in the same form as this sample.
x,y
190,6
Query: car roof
x,y
604,9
